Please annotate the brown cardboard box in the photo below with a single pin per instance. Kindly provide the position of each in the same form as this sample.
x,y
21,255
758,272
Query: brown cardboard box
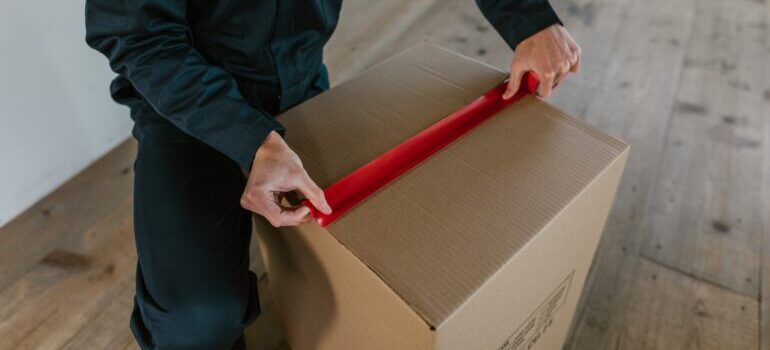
x,y
485,245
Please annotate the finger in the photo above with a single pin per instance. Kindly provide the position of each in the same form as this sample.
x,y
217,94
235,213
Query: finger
x,y
314,194
266,205
546,84
514,81
576,66
561,74
576,53
294,216
557,80
248,200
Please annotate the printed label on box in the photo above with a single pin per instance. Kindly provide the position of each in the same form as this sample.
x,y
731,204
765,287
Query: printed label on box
x,y
530,331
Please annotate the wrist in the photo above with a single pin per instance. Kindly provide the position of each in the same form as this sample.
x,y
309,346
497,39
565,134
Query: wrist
x,y
272,138
273,144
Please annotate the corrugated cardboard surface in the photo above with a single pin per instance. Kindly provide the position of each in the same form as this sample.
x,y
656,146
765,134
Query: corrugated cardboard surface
x,y
529,303
327,299
440,231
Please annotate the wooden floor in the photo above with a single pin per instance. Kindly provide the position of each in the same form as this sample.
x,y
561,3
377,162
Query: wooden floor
x,y
683,264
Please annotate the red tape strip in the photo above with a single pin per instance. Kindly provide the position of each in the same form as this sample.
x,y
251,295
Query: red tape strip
x,y
354,188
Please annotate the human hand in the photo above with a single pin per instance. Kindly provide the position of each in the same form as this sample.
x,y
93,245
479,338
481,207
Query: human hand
x,y
551,54
275,171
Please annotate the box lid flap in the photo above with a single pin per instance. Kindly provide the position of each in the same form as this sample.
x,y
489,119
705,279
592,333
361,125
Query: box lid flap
x,y
440,231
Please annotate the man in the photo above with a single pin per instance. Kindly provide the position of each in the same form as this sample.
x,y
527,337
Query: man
x,y
203,80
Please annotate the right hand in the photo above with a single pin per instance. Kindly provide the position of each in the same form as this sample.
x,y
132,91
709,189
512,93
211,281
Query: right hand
x,y
275,171
551,54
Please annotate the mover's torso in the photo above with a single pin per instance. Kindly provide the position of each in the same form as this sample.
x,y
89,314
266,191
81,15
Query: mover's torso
x,y
266,41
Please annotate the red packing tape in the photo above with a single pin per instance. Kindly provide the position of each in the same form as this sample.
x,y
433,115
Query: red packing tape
x,y
354,188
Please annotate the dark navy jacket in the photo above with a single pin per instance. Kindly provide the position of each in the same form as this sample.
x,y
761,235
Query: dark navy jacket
x,y
186,57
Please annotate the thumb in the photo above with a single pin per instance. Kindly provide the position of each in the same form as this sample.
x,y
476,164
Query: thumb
x,y
314,194
514,81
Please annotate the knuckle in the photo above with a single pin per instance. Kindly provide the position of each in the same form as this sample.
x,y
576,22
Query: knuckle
x,y
296,171
307,176
273,221
245,202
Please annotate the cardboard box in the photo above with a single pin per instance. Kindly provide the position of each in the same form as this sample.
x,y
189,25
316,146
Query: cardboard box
x,y
485,245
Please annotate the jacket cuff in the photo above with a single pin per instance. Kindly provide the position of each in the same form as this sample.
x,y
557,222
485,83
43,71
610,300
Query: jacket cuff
x,y
533,24
251,139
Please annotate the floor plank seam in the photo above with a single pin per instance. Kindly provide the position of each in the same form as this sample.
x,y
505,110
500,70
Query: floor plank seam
x,y
694,276
669,122
29,332
760,278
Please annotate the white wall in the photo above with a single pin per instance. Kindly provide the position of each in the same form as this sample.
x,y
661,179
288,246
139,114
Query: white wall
x,y
56,116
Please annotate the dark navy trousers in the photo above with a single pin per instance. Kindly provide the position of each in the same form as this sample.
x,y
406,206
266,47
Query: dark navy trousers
x,y
194,289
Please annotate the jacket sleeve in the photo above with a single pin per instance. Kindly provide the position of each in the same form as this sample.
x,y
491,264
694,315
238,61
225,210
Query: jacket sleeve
x,y
517,20
148,43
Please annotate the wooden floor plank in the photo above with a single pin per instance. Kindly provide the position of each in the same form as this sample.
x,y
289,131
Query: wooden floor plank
x,y
665,310
707,212
366,28
765,269
638,53
66,213
68,287
108,329
457,25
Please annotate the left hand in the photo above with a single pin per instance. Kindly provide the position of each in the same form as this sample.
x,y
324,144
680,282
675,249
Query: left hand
x,y
551,54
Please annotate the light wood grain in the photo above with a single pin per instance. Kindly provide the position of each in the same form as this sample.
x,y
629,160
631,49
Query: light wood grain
x,y
366,28
66,213
665,310
107,328
707,210
765,268
71,285
636,217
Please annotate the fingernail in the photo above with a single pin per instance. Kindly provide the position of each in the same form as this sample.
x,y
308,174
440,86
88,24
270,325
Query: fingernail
x,y
327,208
